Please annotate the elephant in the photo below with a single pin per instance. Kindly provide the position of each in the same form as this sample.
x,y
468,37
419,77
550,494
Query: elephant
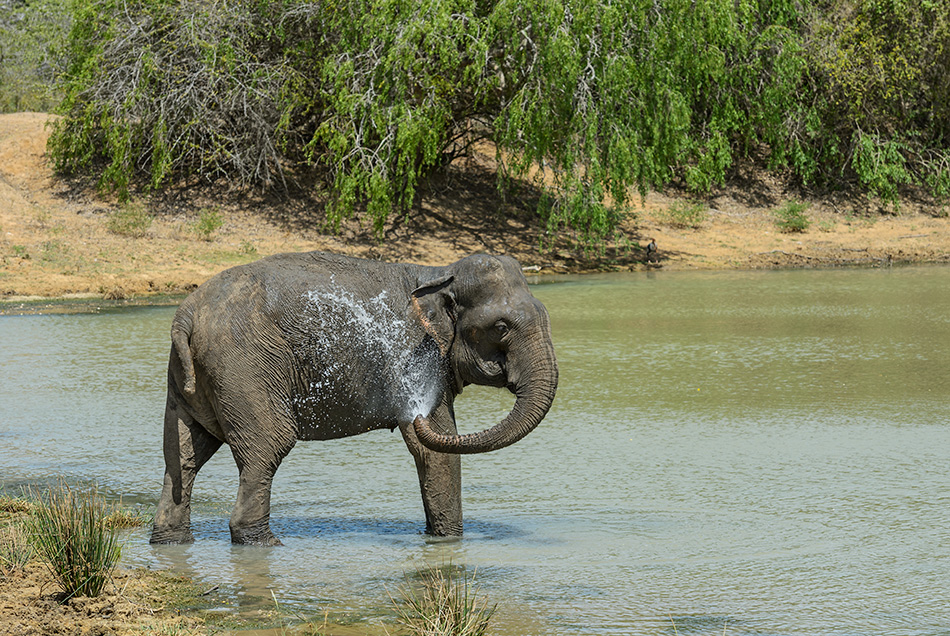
x,y
317,346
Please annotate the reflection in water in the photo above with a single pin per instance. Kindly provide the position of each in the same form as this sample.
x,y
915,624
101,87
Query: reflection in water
x,y
738,452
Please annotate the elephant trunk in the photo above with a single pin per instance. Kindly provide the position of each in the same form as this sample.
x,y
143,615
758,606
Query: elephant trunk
x,y
534,394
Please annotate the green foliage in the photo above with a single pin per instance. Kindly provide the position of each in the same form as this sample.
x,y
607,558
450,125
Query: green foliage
x,y
443,601
880,68
131,220
32,36
398,83
209,221
790,217
590,99
69,532
880,165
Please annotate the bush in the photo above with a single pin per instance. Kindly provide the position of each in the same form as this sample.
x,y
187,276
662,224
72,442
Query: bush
x,y
879,69
209,221
685,214
443,601
69,532
130,220
377,95
790,218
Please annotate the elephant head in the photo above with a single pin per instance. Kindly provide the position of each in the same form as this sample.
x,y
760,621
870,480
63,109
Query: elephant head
x,y
491,331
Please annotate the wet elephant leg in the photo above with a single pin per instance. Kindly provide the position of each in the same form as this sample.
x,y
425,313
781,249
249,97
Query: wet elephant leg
x,y
187,447
258,457
440,476
250,519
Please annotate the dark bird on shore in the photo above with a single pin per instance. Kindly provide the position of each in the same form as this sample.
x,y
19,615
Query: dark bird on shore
x,y
653,255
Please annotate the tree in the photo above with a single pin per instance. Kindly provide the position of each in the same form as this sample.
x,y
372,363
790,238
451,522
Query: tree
x,y
593,99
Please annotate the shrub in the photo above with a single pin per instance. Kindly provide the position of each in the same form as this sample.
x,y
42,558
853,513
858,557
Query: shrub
x,y
603,96
69,532
209,221
377,95
443,601
685,214
130,220
791,217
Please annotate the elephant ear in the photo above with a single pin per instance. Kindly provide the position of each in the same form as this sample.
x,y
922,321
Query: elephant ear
x,y
434,306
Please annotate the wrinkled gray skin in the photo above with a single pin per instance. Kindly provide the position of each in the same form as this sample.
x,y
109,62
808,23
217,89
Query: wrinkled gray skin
x,y
318,346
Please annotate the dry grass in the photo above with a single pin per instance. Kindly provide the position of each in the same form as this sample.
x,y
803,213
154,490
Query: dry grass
x,y
443,602
15,549
14,505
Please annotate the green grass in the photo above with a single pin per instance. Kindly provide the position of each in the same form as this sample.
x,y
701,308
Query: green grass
x,y
69,532
444,602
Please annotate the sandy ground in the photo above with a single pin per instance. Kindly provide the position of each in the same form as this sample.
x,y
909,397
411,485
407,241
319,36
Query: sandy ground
x,y
133,603
55,239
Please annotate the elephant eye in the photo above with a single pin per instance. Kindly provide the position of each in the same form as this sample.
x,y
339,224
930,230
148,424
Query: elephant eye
x,y
501,328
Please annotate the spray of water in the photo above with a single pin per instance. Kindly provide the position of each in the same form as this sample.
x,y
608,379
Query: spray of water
x,y
377,340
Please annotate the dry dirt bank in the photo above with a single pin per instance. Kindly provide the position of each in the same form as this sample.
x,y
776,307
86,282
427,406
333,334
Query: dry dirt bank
x,y
135,602
55,239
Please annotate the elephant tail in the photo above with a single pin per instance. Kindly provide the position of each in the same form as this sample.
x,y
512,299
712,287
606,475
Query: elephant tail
x,y
181,341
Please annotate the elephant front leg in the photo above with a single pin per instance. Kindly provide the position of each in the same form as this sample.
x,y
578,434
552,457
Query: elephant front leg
x,y
440,477
187,447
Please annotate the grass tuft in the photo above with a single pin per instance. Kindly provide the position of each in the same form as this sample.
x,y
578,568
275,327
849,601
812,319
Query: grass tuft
x,y
443,602
685,214
125,519
14,505
70,534
15,549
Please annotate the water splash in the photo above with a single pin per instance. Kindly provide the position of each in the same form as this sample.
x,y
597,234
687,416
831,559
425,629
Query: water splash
x,y
397,373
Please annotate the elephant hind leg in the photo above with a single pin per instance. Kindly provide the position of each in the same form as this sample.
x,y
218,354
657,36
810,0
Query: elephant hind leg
x,y
250,519
260,437
187,445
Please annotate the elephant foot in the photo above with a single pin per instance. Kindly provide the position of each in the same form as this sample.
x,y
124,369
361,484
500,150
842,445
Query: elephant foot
x,y
171,535
444,529
254,535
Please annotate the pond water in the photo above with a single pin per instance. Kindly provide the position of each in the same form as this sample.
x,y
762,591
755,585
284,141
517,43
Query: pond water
x,y
729,453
